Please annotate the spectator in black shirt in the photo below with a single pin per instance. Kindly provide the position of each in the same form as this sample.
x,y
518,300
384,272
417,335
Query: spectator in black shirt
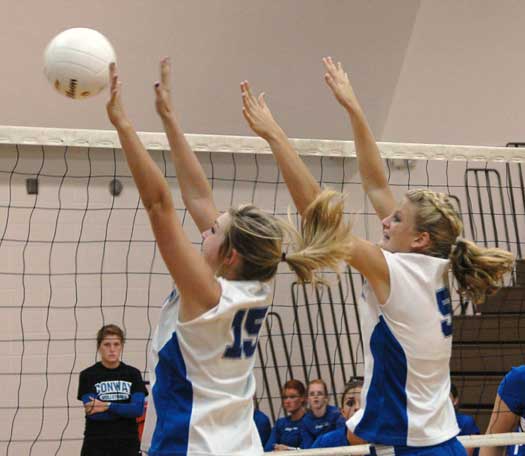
x,y
113,396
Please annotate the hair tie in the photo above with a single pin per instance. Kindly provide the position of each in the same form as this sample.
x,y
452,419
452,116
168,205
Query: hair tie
x,y
283,256
458,240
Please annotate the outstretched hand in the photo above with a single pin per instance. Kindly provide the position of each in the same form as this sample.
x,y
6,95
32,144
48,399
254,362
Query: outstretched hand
x,y
114,107
338,81
257,113
163,90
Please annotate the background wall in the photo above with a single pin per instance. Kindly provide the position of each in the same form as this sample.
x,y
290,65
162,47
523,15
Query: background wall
x,y
460,82
427,71
214,45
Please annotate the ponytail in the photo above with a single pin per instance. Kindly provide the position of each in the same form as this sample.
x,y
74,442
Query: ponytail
x,y
479,271
324,239
258,237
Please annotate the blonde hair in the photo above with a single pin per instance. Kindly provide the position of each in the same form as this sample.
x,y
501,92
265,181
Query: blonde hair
x,y
479,271
259,238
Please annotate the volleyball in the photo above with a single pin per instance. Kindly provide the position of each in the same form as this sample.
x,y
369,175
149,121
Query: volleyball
x,y
76,62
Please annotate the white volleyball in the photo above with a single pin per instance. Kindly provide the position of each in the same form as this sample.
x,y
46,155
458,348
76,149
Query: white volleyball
x,y
76,62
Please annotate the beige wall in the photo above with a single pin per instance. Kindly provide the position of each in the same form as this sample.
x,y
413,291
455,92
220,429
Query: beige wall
x,y
462,78
214,44
426,71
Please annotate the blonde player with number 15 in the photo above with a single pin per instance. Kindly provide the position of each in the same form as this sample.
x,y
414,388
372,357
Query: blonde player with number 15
x,y
406,313
203,350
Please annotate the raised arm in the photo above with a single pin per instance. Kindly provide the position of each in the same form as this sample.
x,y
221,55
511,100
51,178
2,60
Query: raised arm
x,y
198,288
371,167
301,184
194,185
364,256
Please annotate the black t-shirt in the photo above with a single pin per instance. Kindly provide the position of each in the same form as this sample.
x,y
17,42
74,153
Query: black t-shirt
x,y
111,385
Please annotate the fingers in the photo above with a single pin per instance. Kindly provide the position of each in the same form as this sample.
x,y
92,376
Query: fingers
x,y
112,69
113,77
329,64
247,116
262,101
334,70
247,97
165,72
115,91
329,80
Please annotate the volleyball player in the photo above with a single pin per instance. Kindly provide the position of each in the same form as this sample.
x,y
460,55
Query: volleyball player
x,y
203,349
405,305
113,396
286,432
509,411
321,416
350,403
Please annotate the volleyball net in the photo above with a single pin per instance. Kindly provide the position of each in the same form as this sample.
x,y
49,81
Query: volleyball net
x,y
78,253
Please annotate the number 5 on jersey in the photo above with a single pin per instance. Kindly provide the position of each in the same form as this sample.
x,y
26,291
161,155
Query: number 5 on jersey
x,y
445,309
246,326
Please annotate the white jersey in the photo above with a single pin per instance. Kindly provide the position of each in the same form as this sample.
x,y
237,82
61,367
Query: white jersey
x,y
202,381
407,349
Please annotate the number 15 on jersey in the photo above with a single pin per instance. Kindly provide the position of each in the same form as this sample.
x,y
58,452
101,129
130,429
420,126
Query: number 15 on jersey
x,y
246,326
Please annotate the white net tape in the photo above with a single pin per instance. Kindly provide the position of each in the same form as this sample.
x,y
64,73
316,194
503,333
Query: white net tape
x,y
241,144
468,441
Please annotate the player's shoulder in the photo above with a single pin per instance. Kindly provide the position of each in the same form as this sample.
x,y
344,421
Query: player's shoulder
x,y
333,412
130,370
514,379
243,290
415,261
260,416
517,373
93,369
282,422
308,418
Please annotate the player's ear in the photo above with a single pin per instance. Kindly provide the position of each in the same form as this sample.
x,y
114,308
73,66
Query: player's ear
x,y
232,258
421,241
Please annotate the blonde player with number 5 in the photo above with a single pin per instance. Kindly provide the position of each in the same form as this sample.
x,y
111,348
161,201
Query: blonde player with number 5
x,y
203,350
406,313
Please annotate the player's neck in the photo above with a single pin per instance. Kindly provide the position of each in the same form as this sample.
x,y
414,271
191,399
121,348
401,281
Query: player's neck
x,y
298,414
110,364
318,413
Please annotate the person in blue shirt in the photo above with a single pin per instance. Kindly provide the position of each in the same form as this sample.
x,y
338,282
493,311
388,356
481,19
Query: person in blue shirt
x,y
350,403
321,417
286,433
262,422
509,407
466,423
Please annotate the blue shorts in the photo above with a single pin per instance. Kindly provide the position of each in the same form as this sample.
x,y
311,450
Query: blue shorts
x,y
451,447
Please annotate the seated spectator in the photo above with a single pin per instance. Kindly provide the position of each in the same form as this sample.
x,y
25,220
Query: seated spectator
x,y
350,403
509,407
286,433
113,396
262,422
321,417
466,423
